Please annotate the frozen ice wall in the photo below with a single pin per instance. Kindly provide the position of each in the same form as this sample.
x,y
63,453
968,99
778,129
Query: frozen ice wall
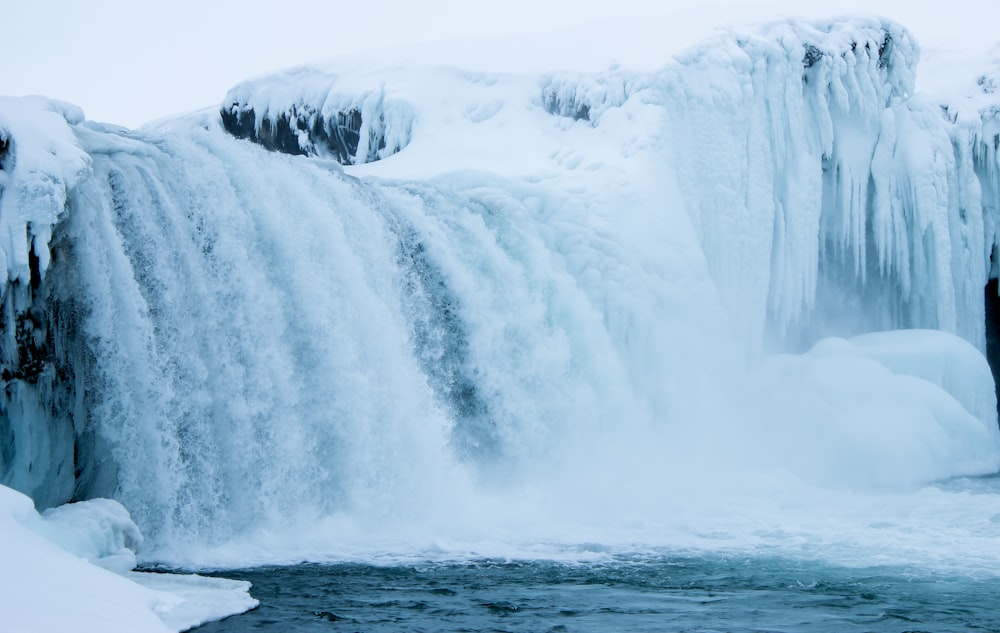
x,y
829,197
564,284
40,162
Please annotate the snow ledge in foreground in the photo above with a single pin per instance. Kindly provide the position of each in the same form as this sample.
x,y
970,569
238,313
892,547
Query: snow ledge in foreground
x,y
57,575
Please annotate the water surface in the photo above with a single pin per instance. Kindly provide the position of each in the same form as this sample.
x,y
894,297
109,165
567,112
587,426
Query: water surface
x,y
686,593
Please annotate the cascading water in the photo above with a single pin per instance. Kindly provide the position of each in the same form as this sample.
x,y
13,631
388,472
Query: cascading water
x,y
244,342
267,338
251,357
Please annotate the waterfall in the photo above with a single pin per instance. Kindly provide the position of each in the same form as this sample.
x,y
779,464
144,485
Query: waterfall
x,y
229,339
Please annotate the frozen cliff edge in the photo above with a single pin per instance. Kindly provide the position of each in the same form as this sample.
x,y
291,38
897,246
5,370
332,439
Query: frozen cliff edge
x,y
40,163
303,112
864,212
832,175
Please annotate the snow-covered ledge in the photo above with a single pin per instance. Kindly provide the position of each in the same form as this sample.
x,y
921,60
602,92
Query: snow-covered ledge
x,y
59,574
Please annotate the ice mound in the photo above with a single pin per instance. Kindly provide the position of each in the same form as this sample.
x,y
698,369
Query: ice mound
x,y
54,574
884,409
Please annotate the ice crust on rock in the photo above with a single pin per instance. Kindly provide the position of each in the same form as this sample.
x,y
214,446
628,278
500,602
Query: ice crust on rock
x,y
305,112
41,161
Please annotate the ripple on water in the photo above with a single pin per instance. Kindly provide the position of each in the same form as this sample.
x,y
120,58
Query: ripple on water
x,y
707,593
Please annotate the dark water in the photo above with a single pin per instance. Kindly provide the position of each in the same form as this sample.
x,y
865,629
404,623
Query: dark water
x,y
670,594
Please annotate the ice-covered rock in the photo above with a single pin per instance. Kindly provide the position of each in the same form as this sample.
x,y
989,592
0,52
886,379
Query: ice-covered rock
x,y
40,163
305,112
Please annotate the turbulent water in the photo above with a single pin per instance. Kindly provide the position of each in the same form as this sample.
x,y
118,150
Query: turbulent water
x,y
755,577
665,593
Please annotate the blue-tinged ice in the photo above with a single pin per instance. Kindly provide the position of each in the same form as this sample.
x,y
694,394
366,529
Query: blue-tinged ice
x,y
357,311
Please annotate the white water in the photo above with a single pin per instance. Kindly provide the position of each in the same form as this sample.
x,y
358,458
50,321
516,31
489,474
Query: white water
x,y
555,346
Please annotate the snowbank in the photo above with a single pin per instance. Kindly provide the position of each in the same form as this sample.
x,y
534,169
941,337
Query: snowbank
x,y
884,409
52,575
943,359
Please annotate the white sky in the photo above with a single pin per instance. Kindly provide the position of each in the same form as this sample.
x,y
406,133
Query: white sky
x,y
130,61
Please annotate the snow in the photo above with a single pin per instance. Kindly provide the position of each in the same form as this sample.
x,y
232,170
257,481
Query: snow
x,y
618,255
945,360
42,162
892,216
886,409
54,577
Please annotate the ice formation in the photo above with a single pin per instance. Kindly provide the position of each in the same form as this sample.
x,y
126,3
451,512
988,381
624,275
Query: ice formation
x,y
40,162
768,256
895,407
54,576
301,112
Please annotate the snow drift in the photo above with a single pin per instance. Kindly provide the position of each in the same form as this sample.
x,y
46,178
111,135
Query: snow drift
x,y
55,574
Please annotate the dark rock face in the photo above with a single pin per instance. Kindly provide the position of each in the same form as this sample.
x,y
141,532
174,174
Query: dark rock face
x,y
304,131
31,353
986,167
38,388
993,331
571,106
37,392
988,84
811,56
276,136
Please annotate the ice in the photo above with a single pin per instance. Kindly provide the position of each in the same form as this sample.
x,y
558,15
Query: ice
x,y
876,411
189,600
40,162
946,360
735,295
49,584
99,530
307,111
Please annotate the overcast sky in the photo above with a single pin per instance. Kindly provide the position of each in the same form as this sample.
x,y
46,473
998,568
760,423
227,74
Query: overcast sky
x,y
129,61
